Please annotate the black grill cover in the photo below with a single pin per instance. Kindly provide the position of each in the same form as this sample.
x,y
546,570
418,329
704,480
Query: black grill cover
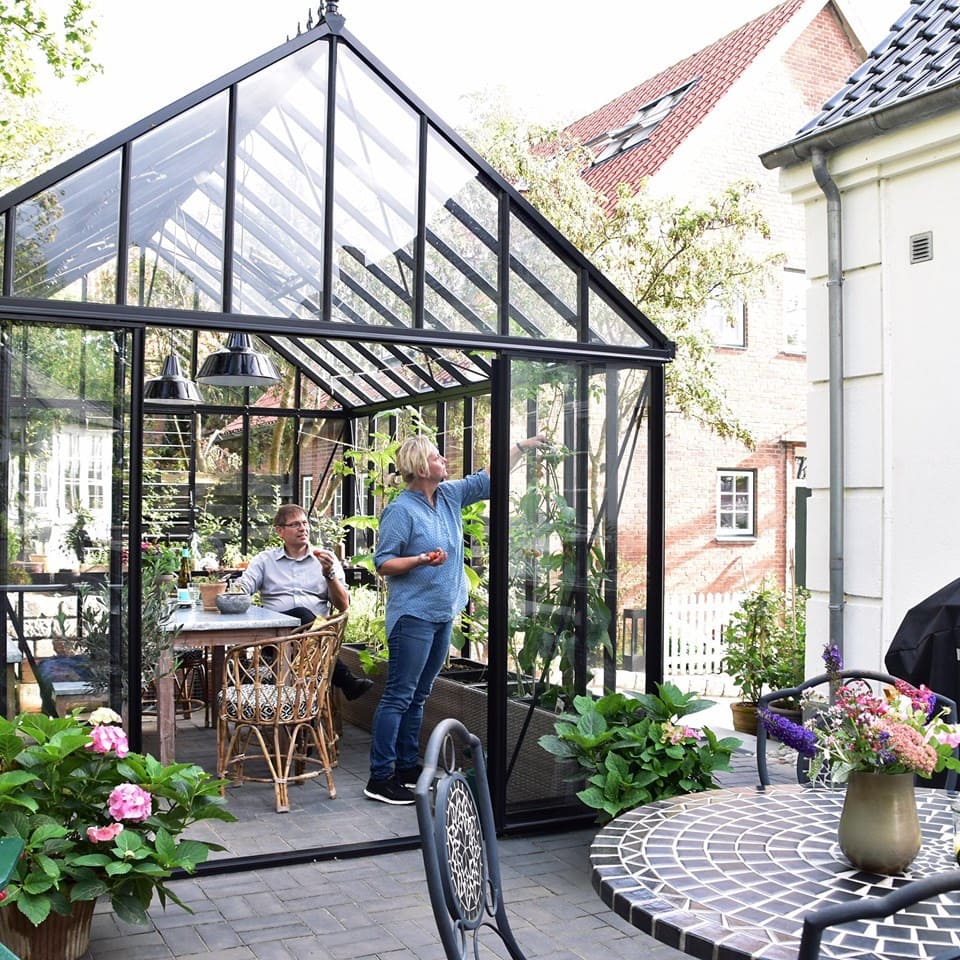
x,y
926,646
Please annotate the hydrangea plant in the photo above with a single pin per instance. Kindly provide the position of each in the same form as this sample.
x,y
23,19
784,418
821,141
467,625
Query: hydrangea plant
x,y
95,818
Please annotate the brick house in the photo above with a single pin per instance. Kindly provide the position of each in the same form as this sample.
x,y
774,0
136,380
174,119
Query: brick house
x,y
693,128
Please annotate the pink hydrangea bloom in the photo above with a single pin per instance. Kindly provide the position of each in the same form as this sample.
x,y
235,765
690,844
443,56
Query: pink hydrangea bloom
x,y
99,834
129,802
106,738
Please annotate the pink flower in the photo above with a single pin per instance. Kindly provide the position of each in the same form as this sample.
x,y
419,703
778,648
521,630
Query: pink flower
x,y
951,737
106,738
129,802
97,834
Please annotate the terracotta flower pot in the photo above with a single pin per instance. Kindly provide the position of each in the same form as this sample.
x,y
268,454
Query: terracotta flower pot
x,y
744,717
208,593
57,938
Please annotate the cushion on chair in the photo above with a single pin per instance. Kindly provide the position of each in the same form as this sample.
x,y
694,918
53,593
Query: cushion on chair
x,y
266,703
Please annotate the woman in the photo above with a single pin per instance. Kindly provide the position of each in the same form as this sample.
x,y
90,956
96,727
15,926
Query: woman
x,y
420,552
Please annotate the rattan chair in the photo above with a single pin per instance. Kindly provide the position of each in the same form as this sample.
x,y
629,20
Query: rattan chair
x,y
459,844
876,908
327,719
950,777
270,710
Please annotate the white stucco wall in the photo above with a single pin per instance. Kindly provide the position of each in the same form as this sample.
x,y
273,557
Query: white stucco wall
x,y
901,392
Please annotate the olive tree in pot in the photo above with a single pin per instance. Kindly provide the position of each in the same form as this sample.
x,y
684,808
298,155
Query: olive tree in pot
x,y
764,648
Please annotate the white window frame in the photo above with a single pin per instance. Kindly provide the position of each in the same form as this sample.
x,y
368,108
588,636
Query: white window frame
x,y
794,311
306,491
717,317
736,504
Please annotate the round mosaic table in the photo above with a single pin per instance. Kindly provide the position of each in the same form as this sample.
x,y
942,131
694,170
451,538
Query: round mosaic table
x,y
729,875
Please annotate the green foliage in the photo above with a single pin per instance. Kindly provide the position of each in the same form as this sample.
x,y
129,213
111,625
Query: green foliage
x,y
26,30
57,781
97,605
366,625
765,641
633,750
544,580
672,258
77,538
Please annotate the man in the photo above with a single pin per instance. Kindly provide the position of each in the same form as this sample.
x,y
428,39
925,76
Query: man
x,y
302,582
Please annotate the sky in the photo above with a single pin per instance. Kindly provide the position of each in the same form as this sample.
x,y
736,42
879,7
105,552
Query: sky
x,y
556,59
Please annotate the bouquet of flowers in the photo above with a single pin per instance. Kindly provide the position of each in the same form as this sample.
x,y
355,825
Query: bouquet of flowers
x,y
899,731
95,818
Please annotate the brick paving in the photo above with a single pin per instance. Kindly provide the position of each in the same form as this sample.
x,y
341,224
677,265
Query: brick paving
x,y
376,907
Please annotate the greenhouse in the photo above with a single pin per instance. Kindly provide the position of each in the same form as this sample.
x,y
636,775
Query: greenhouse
x,y
248,299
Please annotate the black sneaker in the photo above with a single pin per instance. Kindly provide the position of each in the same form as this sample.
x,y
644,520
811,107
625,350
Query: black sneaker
x,y
408,776
388,791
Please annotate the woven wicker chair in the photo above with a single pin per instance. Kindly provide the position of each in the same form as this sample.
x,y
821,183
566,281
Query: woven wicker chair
x,y
274,696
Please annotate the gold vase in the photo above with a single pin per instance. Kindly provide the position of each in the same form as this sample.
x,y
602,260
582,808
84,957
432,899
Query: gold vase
x,y
879,829
57,938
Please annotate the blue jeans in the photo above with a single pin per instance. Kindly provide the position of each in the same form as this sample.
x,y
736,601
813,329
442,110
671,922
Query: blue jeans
x,y
418,649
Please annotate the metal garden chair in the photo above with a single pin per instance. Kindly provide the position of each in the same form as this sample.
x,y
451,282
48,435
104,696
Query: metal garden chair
x,y
824,679
459,843
876,908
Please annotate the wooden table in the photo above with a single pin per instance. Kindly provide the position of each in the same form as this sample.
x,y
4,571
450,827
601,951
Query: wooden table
x,y
215,631
729,875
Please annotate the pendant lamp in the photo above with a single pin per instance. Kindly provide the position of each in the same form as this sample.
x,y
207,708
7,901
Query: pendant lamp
x,y
171,386
238,366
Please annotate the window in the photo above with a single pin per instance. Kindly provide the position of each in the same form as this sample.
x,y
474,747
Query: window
x,y
306,492
638,128
735,503
728,321
794,311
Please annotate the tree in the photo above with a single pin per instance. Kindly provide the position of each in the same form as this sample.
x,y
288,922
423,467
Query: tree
x,y
28,145
26,30
671,258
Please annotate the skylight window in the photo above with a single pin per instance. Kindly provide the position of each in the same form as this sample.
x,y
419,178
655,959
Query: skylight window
x,y
640,126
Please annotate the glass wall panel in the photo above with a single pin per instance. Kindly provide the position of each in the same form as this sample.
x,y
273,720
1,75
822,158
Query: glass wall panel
x,y
608,325
281,139
462,244
175,256
66,237
375,220
66,487
543,288
576,520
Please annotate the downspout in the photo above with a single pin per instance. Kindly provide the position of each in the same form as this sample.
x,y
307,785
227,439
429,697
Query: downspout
x,y
835,327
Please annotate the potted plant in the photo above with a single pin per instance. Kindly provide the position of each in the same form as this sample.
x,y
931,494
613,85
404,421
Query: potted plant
x,y
96,820
764,649
635,748
209,587
77,538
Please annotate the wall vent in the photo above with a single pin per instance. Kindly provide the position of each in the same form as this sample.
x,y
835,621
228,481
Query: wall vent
x,y
921,247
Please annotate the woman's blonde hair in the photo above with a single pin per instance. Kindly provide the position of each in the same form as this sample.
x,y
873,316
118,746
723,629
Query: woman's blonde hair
x,y
413,458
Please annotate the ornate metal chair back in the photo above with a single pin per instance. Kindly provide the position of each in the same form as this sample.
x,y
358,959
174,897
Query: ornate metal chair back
x,y
459,844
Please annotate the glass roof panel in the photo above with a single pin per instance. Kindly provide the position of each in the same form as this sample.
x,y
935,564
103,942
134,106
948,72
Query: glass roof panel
x,y
543,288
176,210
278,234
375,220
608,325
462,244
65,236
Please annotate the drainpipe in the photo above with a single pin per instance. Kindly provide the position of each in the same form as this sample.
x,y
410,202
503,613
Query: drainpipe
x,y
835,319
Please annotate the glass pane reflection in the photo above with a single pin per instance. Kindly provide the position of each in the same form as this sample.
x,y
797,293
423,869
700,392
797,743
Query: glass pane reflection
x,y
66,237
176,211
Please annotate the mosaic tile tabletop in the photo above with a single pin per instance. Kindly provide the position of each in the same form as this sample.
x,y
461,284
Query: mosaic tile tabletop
x,y
729,875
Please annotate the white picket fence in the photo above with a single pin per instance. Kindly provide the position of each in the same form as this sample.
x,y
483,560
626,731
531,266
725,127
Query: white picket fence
x,y
693,641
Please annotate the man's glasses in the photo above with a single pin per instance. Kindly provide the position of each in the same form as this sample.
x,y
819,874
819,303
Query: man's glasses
x,y
296,523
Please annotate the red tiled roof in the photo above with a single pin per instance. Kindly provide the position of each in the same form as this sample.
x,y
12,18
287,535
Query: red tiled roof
x,y
715,68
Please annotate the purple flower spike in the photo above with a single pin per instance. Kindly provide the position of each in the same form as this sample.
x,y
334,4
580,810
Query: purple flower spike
x,y
789,733
832,660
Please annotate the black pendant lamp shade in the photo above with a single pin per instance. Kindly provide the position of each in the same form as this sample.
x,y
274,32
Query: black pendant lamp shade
x,y
238,366
171,386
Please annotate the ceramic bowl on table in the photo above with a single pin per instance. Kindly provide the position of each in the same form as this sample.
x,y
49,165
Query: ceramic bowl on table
x,y
232,602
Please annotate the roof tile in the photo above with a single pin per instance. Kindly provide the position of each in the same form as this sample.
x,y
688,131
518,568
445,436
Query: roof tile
x,y
920,54
715,68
